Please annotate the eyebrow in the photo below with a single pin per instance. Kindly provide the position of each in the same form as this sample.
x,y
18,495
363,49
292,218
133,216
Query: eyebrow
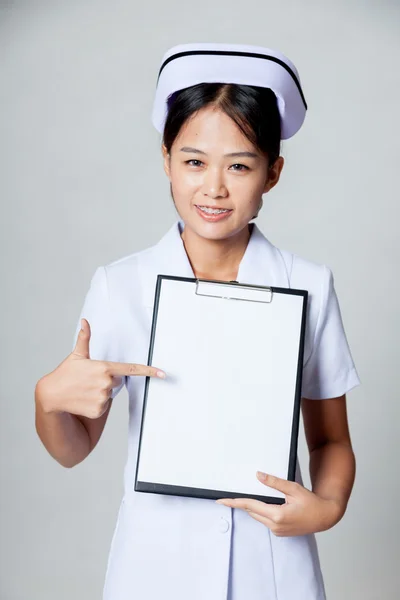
x,y
230,155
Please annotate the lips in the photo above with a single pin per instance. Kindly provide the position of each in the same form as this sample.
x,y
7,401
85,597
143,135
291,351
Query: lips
x,y
211,217
200,206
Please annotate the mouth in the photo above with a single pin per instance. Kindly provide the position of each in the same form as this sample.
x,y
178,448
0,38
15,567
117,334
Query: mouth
x,y
213,213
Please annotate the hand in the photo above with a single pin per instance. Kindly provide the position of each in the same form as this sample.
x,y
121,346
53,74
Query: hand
x,y
82,386
304,511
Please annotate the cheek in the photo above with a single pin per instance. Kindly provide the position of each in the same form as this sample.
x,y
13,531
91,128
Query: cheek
x,y
253,198
251,185
184,181
249,191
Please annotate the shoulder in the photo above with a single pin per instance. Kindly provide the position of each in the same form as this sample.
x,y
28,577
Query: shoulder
x,y
129,265
317,279
306,274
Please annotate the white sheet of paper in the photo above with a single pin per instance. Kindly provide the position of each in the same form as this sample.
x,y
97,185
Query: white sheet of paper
x,y
225,409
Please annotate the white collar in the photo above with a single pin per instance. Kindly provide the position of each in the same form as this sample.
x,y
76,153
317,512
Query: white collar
x,y
262,262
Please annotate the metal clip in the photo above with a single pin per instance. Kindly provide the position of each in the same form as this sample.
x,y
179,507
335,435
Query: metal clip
x,y
236,290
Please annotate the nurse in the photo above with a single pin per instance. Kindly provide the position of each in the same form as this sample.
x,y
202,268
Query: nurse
x,y
222,110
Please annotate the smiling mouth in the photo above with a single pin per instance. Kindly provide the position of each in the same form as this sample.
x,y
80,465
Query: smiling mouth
x,y
213,211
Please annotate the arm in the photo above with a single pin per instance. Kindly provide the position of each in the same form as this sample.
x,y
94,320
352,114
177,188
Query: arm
x,y
332,468
68,438
332,461
73,401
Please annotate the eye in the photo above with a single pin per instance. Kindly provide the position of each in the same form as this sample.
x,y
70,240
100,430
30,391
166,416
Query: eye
x,y
193,160
244,168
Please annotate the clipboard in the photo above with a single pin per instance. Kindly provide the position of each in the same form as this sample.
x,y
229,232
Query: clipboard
x,y
230,404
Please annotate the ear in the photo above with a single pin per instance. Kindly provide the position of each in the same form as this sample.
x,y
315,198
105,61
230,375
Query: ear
x,y
167,158
274,174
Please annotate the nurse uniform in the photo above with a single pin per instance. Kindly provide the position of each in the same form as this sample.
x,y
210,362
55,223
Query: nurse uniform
x,y
177,548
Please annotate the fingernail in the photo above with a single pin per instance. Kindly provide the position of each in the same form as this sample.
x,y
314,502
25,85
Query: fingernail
x,y
161,374
220,502
261,475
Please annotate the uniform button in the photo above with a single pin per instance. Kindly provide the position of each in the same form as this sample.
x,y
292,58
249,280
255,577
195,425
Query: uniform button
x,y
223,525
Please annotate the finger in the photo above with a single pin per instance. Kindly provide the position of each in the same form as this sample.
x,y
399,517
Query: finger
x,y
106,407
126,369
82,343
283,485
269,511
264,520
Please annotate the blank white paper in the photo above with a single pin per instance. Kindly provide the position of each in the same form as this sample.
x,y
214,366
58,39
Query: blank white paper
x,y
225,409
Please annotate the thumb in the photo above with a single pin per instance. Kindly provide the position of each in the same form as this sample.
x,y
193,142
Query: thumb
x,y
82,343
282,485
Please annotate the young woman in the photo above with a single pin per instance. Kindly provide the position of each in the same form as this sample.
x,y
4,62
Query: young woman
x,y
222,110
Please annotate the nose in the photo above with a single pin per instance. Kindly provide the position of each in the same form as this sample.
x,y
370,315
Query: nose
x,y
214,186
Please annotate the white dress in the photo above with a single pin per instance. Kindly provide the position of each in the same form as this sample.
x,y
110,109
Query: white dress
x,y
176,548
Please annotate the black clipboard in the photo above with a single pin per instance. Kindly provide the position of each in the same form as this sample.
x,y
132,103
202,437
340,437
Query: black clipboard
x,y
230,404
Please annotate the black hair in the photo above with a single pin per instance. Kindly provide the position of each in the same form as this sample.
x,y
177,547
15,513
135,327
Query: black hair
x,y
254,109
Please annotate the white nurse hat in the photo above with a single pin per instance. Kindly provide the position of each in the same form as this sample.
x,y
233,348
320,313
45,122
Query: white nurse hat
x,y
189,64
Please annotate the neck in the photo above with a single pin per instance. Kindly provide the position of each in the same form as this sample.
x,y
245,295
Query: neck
x,y
215,259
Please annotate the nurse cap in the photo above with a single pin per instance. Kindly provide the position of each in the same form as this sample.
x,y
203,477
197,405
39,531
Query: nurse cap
x,y
189,64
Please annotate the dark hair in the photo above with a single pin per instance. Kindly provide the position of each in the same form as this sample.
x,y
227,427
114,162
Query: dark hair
x,y
254,110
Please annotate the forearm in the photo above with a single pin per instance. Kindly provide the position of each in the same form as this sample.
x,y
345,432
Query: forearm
x,y
332,472
63,434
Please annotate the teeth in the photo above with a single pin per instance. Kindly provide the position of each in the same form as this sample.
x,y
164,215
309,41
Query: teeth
x,y
213,211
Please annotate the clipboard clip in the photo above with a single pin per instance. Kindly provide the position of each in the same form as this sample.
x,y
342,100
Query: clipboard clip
x,y
233,290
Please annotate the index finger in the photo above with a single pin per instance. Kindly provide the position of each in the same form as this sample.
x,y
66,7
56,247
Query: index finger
x,y
126,369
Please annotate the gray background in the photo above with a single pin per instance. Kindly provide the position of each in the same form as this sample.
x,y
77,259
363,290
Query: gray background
x,y
82,184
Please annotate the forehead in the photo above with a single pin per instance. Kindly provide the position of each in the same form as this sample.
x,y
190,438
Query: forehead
x,y
212,127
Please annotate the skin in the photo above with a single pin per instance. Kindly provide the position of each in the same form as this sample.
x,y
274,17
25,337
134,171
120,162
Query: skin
x,y
72,402
213,179
200,172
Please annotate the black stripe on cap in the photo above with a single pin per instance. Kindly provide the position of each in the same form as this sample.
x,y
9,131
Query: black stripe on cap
x,y
236,53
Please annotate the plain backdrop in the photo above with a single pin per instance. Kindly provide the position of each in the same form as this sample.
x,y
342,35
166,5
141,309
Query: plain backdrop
x,y
82,184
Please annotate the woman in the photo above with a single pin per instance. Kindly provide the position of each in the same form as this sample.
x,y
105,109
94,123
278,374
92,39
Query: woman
x,y
223,110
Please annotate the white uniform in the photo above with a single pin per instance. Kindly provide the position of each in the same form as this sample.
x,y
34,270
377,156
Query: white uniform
x,y
176,548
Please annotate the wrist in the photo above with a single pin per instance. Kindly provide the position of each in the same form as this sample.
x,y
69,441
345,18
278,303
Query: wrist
x,y
335,509
43,396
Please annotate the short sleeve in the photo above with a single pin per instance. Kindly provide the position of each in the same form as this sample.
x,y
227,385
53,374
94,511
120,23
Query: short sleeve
x,y
96,310
330,371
